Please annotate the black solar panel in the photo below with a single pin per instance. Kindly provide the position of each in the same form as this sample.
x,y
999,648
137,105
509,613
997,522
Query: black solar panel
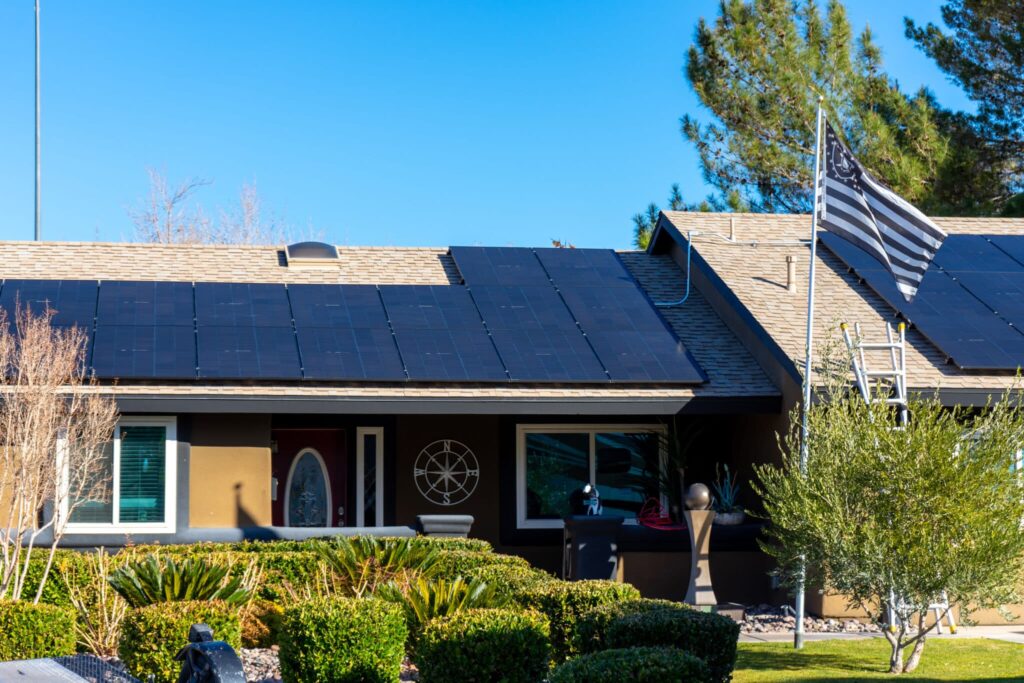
x,y
587,267
430,307
614,308
498,266
643,356
144,351
337,306
973,253
1010,244
229,303
465,355
145,303
530,307
548,355
246,351
350,353
73,301
957,311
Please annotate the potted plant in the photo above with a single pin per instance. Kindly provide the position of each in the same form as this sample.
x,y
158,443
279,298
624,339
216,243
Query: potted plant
x,y
725,490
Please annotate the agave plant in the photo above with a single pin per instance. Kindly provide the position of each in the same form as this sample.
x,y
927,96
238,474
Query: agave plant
x,y
365,563
425,599
154,580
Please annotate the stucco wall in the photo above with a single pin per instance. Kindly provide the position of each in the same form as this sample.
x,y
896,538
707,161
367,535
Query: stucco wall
x,y
229,471
480,434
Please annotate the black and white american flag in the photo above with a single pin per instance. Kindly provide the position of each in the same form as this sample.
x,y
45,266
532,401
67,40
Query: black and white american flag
x,y
858,208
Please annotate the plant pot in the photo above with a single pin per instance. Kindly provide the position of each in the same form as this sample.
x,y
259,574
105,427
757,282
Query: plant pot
x,y
730,518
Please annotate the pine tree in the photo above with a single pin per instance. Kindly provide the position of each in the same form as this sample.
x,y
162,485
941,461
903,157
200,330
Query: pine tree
x,y
760,68
984,55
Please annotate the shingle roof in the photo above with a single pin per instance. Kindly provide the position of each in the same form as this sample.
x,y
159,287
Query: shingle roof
x,y
753,266
731,370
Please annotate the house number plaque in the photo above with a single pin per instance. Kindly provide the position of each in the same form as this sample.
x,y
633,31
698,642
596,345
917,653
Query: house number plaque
x,y
446,472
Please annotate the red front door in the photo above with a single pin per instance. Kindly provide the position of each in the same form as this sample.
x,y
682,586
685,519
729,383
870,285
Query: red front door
x,y
310,467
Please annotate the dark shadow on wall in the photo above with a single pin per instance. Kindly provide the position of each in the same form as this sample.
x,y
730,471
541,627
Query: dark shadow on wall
x,y
243,518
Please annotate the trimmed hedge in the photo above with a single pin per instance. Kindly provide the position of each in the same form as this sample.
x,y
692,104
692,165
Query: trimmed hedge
x,y
592,627
634,664
707,636
30,631
439,542
343,640
465,563
483,645
564,602
511,582
152,635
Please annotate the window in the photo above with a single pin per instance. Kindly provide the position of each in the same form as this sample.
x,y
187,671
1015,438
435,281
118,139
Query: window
x,y
370,476
623,461
140,481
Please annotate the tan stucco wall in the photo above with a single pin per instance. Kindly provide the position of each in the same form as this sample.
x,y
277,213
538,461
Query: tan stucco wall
x,y
833,606
229,471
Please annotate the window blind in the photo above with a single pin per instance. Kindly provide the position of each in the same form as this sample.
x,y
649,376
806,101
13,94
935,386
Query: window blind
x,y
142,474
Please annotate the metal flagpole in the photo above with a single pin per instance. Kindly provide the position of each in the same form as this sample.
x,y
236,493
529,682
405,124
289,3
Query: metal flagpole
x,y
798,632
38,173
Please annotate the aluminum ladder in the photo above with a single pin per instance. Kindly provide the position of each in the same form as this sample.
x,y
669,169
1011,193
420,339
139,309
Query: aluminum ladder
x,y
889,385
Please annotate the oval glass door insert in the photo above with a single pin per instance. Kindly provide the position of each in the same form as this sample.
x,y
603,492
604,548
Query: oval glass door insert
x,y
309,500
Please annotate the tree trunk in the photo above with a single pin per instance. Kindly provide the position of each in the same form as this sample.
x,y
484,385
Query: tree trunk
x,y
915,656
896,656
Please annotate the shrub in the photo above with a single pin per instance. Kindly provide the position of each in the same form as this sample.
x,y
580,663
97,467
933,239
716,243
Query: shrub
x,y
592,627
707,636
633,664
563,602
261,623
153,634
364,563
30,631
101,610
452,563
341,640
510,582
453,543
68,565
484,645
427,599
156,579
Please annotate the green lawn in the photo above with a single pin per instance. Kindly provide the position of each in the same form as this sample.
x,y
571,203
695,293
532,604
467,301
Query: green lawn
x,y
866,660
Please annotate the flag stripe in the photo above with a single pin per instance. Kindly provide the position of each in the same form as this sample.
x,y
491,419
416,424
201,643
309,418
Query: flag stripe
x,y
913,242
891,249
904,209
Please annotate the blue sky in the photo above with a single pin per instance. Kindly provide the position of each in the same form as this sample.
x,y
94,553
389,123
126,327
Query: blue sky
x,y
405,123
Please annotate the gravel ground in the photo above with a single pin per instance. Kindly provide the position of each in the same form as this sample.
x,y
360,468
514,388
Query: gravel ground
x,y
261,666
769,619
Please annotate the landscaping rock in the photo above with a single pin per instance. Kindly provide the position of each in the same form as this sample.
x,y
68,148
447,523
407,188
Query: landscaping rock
x,y
768,619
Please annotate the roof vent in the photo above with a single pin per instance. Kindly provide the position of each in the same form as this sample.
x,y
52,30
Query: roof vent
x,y
311,253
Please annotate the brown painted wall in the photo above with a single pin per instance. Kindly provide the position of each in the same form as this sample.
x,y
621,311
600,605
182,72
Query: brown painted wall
x,y
229,471
480,434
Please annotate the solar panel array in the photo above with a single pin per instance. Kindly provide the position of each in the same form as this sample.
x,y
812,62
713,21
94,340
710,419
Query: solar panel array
x,y
524,315
971,302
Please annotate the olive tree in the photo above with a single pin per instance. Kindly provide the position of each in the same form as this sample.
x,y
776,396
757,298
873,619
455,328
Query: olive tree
x,y
912,511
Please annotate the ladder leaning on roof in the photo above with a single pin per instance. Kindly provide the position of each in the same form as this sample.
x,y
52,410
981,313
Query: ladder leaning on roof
x,y
889,385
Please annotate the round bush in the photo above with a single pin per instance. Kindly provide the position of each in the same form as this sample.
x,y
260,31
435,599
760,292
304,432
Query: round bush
x,y
152,635
511,582
564,602
336,640
634,664
30,631
483,645
464,563
709,637
592,627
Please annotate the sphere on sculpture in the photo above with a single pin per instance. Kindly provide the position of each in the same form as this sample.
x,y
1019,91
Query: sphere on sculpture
x,y
698,497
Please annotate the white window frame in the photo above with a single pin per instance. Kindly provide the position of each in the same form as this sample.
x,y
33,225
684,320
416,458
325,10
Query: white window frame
x,y
327,484
169,525
592,431
361,433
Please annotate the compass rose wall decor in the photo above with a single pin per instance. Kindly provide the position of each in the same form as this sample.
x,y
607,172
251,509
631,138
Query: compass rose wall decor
x,y
446,472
